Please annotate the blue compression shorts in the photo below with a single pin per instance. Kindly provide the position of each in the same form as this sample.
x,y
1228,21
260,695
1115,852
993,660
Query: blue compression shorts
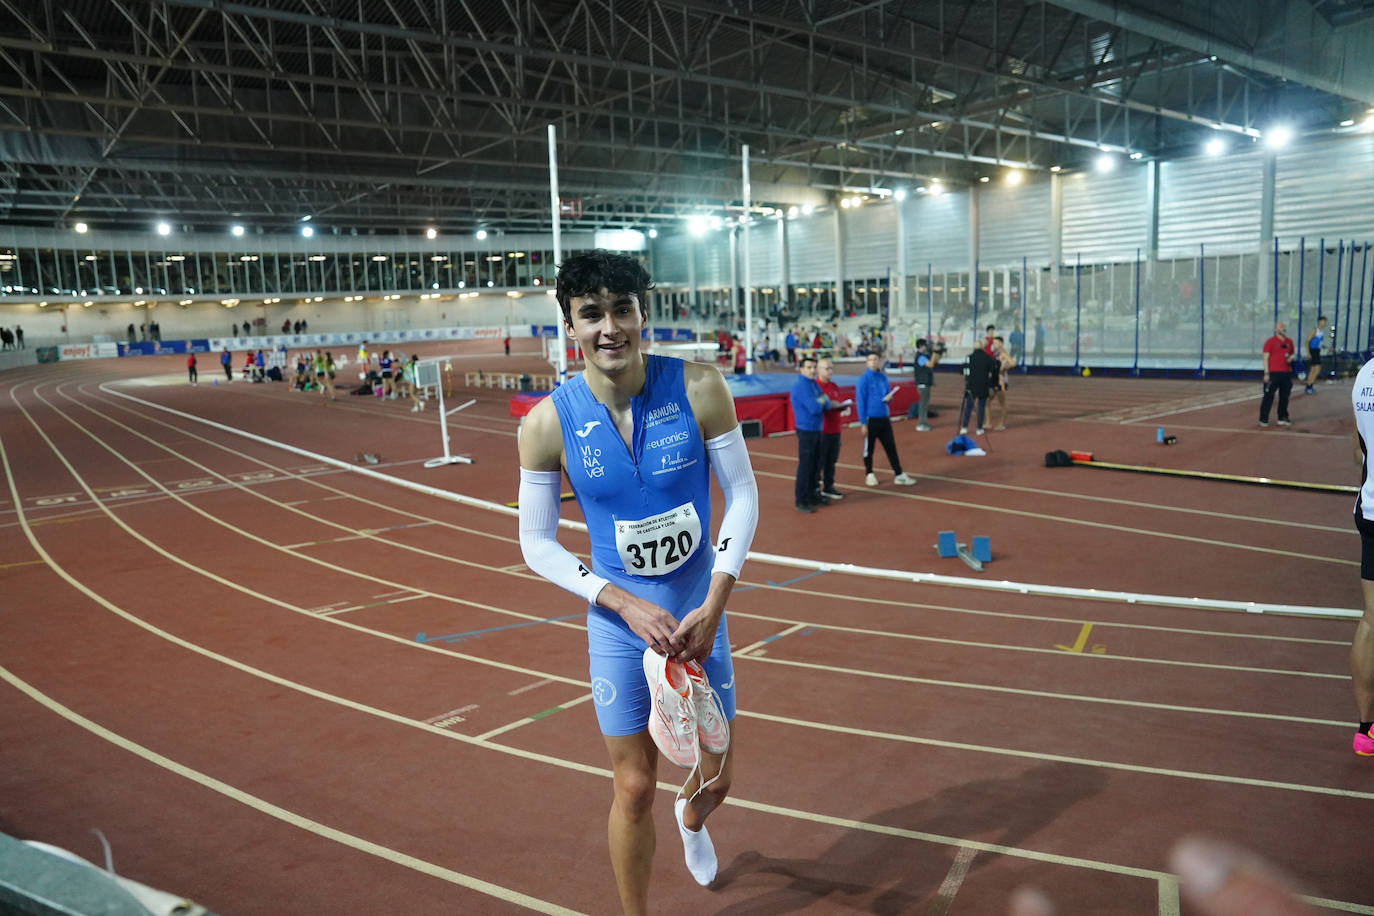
x,y
620,692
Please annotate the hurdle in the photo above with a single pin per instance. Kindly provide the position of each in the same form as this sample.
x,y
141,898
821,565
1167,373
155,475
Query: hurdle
x,y
427,374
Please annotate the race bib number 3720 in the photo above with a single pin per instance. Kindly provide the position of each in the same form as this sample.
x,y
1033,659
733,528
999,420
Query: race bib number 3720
x,y
658,545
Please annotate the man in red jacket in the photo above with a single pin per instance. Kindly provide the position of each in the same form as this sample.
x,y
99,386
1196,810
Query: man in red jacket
x,y
1278,355
831,424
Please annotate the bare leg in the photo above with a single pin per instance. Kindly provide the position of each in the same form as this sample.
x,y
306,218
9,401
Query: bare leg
x,y
999,400
706,801
630,829
1362,656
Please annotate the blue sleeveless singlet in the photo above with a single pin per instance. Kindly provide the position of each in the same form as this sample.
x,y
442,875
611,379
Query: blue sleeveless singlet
x,y
648,508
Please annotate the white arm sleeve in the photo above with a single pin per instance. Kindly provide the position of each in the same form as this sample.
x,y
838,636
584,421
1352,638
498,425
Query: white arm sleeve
x,y
730,462
539,500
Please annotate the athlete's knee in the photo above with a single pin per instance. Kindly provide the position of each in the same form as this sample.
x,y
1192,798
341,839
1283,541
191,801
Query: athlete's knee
x,y
635,790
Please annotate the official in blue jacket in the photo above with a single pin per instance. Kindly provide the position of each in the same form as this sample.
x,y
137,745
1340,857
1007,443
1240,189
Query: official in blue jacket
x,y
871,397
808,405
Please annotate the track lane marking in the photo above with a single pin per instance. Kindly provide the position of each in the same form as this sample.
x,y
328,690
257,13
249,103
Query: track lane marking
x,y
758,655
343,838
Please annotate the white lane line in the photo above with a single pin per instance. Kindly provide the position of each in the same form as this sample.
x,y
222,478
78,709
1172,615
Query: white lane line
x,y
519,690
1001,751
534,717
1042,694
359,607
954,879
505,894
973,644
755,646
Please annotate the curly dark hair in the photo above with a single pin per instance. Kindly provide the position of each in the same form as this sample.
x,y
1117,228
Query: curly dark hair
x,y
600,269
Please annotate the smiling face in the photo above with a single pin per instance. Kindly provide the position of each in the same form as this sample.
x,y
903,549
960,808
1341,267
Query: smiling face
x,y
607,326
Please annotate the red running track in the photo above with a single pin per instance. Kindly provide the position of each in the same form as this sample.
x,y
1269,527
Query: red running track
x,y
211,651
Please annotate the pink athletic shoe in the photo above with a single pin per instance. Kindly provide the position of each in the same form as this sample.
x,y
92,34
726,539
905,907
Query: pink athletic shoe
x,y
712,727
1363,745
672,717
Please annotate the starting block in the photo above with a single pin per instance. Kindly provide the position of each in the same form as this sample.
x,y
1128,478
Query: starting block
x,y
948,547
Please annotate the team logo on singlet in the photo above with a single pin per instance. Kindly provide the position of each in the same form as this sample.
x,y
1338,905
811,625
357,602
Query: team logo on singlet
x,y
666,413
591,462
586,430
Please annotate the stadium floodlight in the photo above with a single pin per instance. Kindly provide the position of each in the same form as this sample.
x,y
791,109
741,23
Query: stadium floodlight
x,y
236,231
1278,136
307,231
164,229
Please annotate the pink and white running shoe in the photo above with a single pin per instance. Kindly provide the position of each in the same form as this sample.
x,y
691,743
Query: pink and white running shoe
x,y
1363,745
712,728
672,717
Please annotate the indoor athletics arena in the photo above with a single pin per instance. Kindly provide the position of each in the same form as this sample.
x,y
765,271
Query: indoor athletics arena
x,y
326,586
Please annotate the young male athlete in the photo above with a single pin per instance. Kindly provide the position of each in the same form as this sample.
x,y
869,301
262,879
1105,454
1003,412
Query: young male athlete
x,y
636,433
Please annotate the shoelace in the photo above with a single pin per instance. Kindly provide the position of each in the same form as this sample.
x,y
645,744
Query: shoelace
x,y
700,695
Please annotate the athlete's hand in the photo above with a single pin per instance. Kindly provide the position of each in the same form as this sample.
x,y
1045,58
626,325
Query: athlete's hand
x,y
645,619
696,634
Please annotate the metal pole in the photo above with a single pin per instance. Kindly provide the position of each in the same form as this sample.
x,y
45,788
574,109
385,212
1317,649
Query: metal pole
x,y
748,293
557,253
1276,279
1077,307
1349,293
1359,315
930,303
1336,313
975,302
1202,308
1025,328
1135,365
1302,273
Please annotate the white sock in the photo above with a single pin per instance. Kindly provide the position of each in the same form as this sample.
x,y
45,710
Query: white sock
x,y
696,848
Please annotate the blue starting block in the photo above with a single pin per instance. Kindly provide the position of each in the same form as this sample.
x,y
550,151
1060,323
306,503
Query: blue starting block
x,y
948,547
